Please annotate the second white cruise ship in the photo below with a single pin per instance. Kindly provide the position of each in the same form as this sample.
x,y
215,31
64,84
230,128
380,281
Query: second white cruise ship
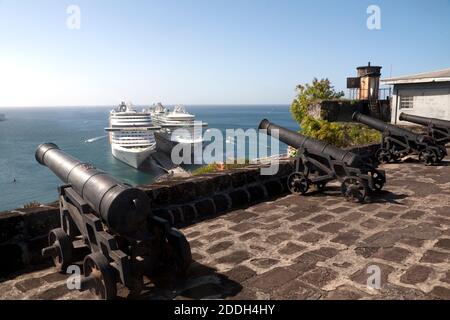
x,y
170,135
131,135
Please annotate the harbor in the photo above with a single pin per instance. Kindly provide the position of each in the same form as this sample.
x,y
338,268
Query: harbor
x,y
81,129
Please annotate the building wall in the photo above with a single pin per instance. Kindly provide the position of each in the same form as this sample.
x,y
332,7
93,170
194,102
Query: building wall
x,y
429,100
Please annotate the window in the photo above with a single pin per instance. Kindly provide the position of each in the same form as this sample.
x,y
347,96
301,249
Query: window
x,y
406,102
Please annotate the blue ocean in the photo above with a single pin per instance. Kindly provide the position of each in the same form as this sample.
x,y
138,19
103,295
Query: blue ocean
x,y
80,132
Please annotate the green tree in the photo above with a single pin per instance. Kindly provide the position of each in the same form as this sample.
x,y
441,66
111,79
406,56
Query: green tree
x,y
341,135
310,94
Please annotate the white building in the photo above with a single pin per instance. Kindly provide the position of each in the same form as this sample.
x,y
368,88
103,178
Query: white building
x,y
424,94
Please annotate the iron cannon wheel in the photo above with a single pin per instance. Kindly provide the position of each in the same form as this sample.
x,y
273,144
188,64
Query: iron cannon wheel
x,y
383,156
181,251
354,189
428,157
104,285
378,180
298,183
59,239
442,153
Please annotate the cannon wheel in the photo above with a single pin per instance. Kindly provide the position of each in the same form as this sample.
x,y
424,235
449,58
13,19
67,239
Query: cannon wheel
x,y
181,251
428,157
378,180
354,189
60,241
298,183
104,284
383,156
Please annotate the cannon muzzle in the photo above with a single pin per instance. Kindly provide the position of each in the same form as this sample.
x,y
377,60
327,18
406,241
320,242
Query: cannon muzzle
x,y
123,208
300,141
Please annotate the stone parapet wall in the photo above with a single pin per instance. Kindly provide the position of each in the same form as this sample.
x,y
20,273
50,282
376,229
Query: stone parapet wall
x,y
342,110
183,202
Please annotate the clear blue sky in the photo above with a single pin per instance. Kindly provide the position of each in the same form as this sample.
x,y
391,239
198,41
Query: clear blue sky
x,y
207,51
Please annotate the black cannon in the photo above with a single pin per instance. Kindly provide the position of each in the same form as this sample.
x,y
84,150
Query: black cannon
x,y
399,142
110,224
318,163
438,129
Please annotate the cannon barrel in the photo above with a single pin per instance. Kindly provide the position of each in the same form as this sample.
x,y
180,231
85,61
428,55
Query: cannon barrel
x,y
385,127
123,208
425,121
300,141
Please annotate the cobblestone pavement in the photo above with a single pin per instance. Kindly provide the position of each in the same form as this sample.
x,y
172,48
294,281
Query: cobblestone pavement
x,y
314,247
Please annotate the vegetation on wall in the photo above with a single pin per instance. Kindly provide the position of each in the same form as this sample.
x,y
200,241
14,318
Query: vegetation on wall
x,y
217,167
339,134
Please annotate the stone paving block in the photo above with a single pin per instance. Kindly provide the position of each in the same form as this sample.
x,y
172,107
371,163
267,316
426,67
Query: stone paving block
x,y
273,279
219,247
441,293
362,276
321,218
29,284
54,277
217,236
394,254
326,252
353,217
264,262
432,256
413,215
302,227
235,257
310,237
291,248
340,210
443,244
347,238
412,242
319,277
446,277
345,293
416,274
249,236
278,238
297,290
443,211
299,215
240,273
385,215
332,227
366,252
240,216
53,293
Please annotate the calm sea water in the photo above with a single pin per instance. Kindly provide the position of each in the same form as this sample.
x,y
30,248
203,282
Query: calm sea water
x,y
69,128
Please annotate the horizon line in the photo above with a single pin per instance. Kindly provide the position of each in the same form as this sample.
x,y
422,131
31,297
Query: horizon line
x,y
139,105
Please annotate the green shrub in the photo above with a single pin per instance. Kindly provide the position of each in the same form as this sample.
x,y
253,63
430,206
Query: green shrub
x,y
217,167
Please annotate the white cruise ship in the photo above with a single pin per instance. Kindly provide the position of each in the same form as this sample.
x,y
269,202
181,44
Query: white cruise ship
x,y
169,121
131,134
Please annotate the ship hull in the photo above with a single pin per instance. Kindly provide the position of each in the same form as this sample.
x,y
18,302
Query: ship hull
x,y
166,145
132,157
